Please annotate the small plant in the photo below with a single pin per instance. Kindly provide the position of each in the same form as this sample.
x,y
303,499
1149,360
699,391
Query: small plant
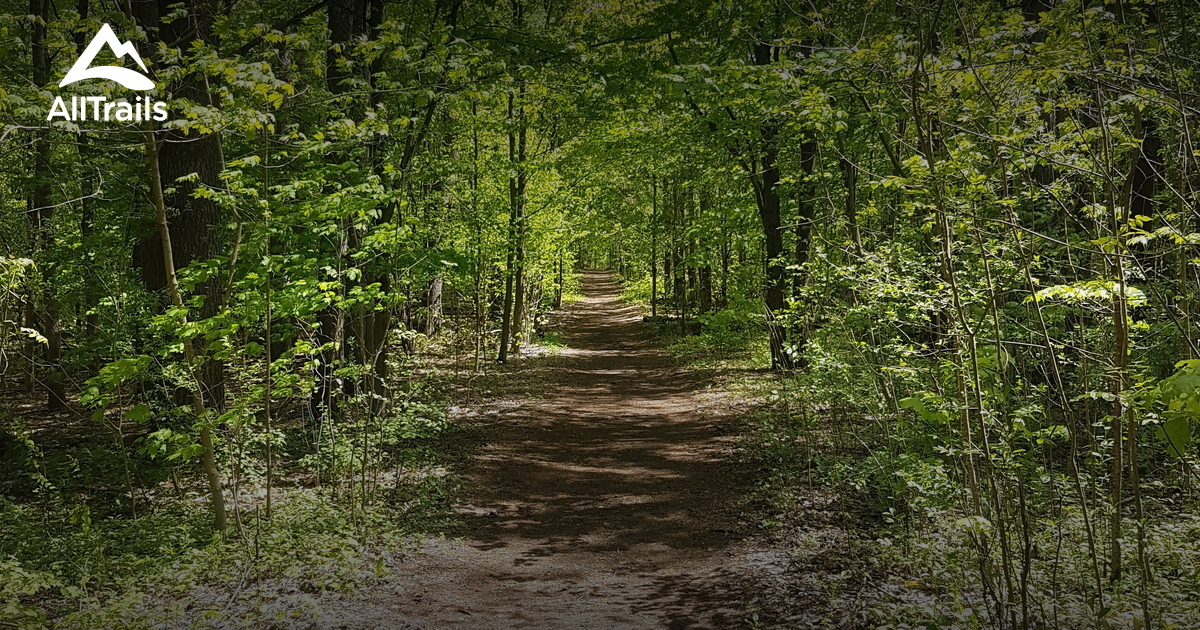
x,y
551,339
18,587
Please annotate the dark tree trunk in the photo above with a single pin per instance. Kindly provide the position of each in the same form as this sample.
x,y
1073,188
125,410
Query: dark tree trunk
x,y
196,222
767,198
91,297
776,258
514,283
377,322
166,247
850,182
805,214
704,283
507,308
41,216
346,20
653,247
725,255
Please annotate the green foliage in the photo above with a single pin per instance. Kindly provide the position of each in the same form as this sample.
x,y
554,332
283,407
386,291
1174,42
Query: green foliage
x,y
17,585
1174,403
552,340
966,236
730,335
311,547
168,568
12,273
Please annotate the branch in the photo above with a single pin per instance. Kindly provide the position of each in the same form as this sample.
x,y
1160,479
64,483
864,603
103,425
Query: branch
x,y
279,26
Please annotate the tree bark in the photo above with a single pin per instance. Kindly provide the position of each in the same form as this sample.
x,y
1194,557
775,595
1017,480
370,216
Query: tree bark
x,y
510,318
558,283
91,296
776,263
207,456
512,326
196,221
850,182
653,247
47,316
346,20
767,198
433,317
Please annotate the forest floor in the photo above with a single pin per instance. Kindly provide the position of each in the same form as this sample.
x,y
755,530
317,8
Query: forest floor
x,y
605,492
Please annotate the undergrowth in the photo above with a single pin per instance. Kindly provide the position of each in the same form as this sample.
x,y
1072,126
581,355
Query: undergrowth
x,y
68,559
926,559
728,339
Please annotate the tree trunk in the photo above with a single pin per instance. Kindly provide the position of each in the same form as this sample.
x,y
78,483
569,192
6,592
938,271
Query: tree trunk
x,y
507,309
704,272
850,182
768,202
518,316
517,184
207,456
805,214
346,20
654,247
558,283
511,317
725,255
433,318
776,259
196,221
42,215
87,222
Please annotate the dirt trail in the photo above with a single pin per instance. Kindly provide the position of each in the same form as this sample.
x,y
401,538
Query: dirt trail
x,y
608,502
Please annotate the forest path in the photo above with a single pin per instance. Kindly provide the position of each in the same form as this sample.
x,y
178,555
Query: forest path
x,y
609,502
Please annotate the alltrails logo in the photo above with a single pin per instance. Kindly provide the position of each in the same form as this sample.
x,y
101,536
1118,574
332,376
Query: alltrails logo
x,y
99,107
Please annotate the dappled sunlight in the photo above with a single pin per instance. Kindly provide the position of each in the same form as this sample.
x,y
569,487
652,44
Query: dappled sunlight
x,y
613,457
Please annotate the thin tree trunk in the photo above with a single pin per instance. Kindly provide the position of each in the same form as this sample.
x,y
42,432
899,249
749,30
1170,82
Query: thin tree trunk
x,y
805,212
506,313
207,457
480,313
706,289
561,278
43,232
725,255
514,221
704,273
654,247
517,146
776,259
433,319
188,163
850,181
87,221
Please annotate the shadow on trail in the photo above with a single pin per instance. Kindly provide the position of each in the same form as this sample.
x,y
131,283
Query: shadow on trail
x,y
617,459
600,494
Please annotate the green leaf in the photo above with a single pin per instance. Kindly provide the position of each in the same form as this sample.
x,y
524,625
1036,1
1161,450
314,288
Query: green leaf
x,y
1178,434
139,413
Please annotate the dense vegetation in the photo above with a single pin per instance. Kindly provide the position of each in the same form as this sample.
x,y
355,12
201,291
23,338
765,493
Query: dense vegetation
x,y
964,235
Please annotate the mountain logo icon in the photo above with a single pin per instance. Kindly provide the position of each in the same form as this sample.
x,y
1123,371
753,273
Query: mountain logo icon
x,y
126,77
